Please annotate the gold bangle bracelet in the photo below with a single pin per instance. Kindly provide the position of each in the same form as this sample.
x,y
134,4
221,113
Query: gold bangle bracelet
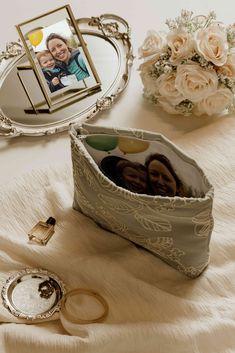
x,y
91,293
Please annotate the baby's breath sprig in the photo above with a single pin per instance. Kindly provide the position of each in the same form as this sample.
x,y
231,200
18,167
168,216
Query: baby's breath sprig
x,y
190,23
231,35
162,65
202,61
210,18
181,21
185,107
227,82
151,98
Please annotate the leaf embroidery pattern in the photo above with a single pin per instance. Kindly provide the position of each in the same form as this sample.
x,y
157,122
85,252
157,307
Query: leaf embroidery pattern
x,y
191,271
118,205
77,172
162,246
153,224
166,204
83,202
131,196
77,164
203,223
106,184
89,178
110,221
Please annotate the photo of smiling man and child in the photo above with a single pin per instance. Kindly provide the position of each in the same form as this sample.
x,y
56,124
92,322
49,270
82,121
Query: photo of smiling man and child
x,y
58,54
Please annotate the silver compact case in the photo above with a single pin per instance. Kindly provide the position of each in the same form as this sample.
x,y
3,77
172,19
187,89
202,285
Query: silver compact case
x,y
33,294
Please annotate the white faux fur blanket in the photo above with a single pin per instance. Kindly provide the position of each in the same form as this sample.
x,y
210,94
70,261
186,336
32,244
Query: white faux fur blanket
x,y
153,308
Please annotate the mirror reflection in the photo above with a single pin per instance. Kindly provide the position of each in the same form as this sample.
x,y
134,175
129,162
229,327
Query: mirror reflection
x,y
106,61
111,53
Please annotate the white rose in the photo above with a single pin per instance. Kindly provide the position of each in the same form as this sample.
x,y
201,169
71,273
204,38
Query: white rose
x,y
194,82
149,82
216,103
212,44
167,106
228,69
181,44
167,88
152,45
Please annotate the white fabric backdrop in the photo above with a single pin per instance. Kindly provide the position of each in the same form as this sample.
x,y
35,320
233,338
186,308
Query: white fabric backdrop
x,y
152,307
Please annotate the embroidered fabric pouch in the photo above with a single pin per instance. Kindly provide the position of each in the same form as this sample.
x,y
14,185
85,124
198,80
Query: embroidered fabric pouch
x,y
176,229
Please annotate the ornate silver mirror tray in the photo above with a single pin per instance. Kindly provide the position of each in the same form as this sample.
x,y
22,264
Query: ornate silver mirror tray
x,y
33,294
108,40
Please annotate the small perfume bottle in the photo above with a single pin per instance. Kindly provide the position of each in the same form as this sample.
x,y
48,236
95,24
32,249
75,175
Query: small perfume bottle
x,y
42,232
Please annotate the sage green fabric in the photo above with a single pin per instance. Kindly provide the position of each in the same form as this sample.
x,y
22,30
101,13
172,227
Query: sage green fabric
x,y
176,229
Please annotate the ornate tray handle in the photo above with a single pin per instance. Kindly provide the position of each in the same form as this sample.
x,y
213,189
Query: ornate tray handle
x,y
12,49
6,128
112,27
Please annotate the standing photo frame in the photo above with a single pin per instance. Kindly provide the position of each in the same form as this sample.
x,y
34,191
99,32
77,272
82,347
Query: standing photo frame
x,y
59,61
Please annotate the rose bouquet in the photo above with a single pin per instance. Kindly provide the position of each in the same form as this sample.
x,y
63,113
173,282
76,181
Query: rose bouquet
x,y
191,69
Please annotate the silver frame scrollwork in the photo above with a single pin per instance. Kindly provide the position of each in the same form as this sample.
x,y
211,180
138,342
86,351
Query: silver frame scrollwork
x,y
29,271
107,26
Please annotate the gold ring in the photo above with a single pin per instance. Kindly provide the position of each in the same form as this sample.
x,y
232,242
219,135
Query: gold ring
x,y
91,293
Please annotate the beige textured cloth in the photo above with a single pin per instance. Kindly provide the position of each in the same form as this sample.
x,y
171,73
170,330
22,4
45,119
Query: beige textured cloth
x,y
153,308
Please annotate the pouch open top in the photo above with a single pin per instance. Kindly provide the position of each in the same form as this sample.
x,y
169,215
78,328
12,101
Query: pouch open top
x,y
175,228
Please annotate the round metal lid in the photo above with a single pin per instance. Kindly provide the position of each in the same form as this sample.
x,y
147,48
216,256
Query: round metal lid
x,y
33,294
